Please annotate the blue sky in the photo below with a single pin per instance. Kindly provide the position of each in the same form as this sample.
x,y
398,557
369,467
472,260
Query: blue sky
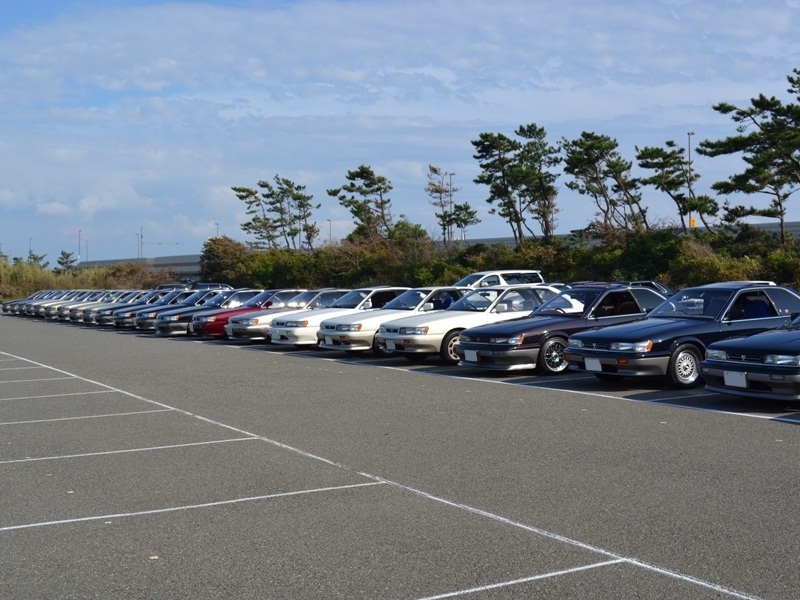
x,y
121,116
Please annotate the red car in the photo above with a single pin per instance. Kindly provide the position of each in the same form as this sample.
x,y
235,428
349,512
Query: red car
x,y
211,324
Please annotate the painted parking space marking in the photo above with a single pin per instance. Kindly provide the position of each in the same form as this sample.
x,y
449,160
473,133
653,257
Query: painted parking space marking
x,y
125,451
170,509
101,416
35,380
63,395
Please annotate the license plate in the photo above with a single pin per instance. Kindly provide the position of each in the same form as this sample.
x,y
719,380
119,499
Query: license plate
x,y
328,340
593,364
389,345
471,355
735,379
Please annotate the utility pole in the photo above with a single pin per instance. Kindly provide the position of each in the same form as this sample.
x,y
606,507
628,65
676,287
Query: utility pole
x,y
689,174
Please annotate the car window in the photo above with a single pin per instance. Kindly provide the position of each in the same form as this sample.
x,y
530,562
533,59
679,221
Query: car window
x,y
523,278
379,299
751,305
694,302
647,298
519,301
408,300
785,302
616,304
569,302
479,300
490,280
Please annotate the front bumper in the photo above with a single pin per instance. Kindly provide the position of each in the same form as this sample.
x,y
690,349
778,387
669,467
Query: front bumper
x,y
498,359
622,364
354,341
172,327
293,336
755,381
410,344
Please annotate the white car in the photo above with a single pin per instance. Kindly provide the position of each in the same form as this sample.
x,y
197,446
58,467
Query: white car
x,y
500,277
357,332
300,329
255,325
425,335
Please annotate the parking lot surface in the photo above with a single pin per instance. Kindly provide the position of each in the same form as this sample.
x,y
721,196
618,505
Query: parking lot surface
x,y
135,466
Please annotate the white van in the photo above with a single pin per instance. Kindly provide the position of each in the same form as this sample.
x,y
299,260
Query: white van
x,y
501,277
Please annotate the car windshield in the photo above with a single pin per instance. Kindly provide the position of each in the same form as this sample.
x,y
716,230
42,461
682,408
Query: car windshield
x,y
408,300
568,302
695,303
469,280
258,299
351,299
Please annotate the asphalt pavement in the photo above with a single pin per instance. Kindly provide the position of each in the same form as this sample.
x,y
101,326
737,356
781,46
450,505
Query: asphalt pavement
x,y
136,466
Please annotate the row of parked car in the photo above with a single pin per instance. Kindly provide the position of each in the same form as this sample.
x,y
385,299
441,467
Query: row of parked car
x,y
740,337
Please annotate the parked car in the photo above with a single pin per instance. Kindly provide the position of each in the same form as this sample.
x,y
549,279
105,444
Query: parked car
x,y
211,323
60,310
500,277
764,365
300,329
673,337
125,316
145,319
75,314
176,321
538,341
358,332
105,315
48,307
429,334
255,326
9,306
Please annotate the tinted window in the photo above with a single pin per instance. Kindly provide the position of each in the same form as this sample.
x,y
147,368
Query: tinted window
x,y
785,302
647,299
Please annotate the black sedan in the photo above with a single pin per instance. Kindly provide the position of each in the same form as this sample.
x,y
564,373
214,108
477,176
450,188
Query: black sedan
x,y
538,341
765,365
176,321
671,340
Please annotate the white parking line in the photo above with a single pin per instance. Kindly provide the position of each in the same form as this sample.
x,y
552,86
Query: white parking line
x,y
493,586
35,380
157,511
18,368
126,451
59,395
125,414
615,557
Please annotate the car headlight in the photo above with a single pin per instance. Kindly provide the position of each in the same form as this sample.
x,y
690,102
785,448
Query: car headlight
x,y
205,319
296,324
784,360
644,346
714,354
150,315
574,343
353,327
413,330
514,340
171,318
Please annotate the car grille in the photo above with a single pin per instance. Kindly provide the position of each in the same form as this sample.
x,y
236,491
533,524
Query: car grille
x,y
391,329
596,345
327,327
744,358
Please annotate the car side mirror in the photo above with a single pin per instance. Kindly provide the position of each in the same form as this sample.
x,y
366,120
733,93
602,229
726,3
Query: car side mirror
x,y
427,306
501,307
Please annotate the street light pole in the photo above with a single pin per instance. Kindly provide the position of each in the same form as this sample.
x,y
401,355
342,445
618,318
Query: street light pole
x,y
689,173
79,243
87,248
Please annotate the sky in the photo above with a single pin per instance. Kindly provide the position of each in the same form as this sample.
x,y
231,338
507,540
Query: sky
x,y
124,124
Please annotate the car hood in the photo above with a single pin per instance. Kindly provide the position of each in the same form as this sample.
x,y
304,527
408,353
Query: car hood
x,y
375,317
445,320
322,314
775,341
528,324
230,312
648,329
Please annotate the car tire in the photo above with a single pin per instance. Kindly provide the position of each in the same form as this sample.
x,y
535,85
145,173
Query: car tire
x,y
683,371
447,353
376,348
551,356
